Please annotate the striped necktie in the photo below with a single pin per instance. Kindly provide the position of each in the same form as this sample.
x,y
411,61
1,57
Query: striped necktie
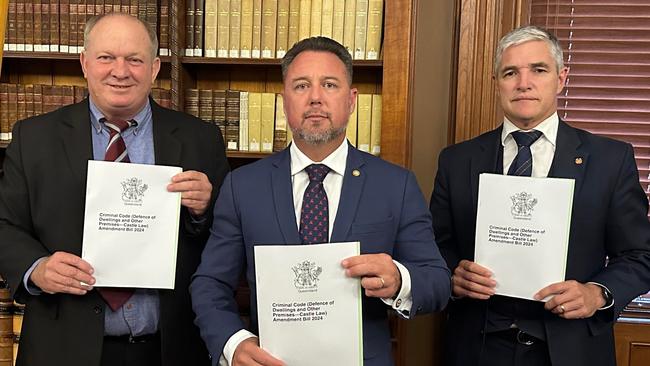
x,y
523,163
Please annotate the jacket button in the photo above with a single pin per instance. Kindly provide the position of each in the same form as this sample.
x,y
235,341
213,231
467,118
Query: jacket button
x,y
399,302
97,309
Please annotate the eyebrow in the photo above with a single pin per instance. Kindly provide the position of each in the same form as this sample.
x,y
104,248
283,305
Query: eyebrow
x,y
530,66
306,78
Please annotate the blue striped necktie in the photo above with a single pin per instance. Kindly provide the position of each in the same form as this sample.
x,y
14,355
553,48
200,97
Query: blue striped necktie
x,y
523,163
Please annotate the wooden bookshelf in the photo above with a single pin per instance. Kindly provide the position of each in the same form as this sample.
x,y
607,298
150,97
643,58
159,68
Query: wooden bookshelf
x,y
391,76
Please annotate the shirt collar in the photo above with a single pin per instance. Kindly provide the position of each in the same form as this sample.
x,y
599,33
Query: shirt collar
x,y
548,128
335,161
96,115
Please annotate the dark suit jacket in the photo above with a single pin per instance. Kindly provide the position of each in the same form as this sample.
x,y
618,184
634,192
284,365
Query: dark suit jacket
x,y
609,219
42,197
382,208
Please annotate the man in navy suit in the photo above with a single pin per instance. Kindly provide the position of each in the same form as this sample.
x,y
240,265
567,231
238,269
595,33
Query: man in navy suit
x,y
608,260
369,200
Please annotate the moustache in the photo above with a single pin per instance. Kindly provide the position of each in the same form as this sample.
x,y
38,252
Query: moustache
x,y
320,114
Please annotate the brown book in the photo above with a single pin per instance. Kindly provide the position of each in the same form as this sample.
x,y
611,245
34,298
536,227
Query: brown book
x,y
20,25
79,27
12,107
67,94
280,131
190,6
58,96
164,28
37,33
219,110
72,25
142,10
167,98
54,26
232,120
29,101
108,6
38,99
79,93
99,7
192,102
152,14
21,112
134,8
11,26
117,6
205,105
48,98
125,6
29,25
4,112
64,26
198,27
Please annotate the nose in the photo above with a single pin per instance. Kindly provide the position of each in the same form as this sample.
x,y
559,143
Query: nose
x,y
315,94
120,68
524,80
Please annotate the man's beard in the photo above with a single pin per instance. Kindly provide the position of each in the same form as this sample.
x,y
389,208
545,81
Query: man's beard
x,y
319,137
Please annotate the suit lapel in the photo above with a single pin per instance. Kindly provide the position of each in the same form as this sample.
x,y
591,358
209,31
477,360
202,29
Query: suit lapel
x,y
167,147
283,196
485,161
569,160
350,195
77,142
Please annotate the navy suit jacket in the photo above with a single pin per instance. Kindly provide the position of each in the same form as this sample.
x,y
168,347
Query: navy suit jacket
x,y
609,219
382,208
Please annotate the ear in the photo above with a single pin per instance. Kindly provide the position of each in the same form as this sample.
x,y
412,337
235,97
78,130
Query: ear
x,y
155,69
562,76
82,61
353,99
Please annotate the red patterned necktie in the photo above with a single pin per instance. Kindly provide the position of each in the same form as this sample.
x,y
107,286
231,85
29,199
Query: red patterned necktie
x,y
116,151
314,215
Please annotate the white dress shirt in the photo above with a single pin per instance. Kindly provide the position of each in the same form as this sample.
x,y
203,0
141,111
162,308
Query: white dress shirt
x,y
332,184
542,150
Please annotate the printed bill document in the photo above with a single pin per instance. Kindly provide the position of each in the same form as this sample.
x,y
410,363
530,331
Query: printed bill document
x,y
131,224
309,311
522,231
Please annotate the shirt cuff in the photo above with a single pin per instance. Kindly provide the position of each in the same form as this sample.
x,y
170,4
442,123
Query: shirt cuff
x,y
31,289
403,302
607,306
231,346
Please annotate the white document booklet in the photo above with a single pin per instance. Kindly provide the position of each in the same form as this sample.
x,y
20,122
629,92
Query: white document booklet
x,y
309,312
131,225
522,231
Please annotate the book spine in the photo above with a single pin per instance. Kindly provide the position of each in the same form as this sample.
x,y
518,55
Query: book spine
x,y
189,27
29,25
269,27
246,38
268,116
72,25
316,17
235,28
360,25
349,26
338,21
11,27
254,121
256,48
20,25
282,37
294,23
13,107
373,39
351,130
232,120
304,28
364,115
327,18
205,105
219,110
64,26
223,28
243,121
280,133
29,101
198,28
210,42
4,112
164,28
375,125
192,102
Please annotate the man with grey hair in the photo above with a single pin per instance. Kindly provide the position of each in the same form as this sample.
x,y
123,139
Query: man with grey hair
x,y
320,189
42,194
608,256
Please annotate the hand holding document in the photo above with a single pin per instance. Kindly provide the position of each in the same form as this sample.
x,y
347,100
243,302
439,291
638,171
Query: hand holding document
x,y
309,312
131,224
522,231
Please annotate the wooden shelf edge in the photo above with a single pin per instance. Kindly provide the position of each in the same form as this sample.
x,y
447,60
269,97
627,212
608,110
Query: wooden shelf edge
x,y
55,56
247,155
262,61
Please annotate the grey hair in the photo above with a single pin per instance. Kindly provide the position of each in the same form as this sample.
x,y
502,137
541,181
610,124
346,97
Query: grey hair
x,y
92,22
527,34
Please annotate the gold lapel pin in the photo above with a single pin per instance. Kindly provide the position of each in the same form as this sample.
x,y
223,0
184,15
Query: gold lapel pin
x,y
578,161
356,172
